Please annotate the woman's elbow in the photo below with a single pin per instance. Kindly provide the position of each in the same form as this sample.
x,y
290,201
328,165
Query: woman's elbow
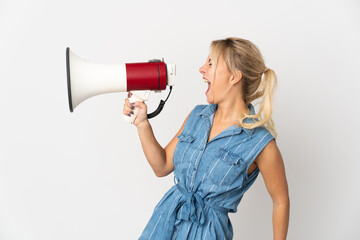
x,y
163,173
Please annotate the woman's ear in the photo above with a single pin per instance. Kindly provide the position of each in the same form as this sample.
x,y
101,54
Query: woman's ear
x,y
236,78
239,75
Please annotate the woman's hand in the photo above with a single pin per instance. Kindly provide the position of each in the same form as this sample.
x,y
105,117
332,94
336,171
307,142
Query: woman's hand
x,y
142,112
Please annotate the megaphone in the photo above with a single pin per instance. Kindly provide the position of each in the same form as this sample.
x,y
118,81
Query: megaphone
x,y
86,79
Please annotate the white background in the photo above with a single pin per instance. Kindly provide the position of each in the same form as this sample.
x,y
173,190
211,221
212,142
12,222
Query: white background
x,y
83,175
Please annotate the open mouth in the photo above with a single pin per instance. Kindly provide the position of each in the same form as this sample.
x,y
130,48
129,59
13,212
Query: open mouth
x,y
208,82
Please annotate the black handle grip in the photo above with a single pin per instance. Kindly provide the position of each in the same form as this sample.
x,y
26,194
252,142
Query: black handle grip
x,y
157,111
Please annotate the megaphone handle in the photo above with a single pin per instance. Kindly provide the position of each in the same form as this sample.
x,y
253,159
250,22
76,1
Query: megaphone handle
x,y
158,110
132,117
160,107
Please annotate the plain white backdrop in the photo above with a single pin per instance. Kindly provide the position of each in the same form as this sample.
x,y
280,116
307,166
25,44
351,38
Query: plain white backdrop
x,y
83,175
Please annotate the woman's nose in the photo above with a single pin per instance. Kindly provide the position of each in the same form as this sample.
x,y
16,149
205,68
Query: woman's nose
x,y
201,70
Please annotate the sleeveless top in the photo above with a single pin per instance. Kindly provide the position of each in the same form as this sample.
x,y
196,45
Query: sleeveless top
x,y
210,179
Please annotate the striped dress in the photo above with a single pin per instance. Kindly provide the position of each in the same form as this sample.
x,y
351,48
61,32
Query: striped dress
x,y
210,179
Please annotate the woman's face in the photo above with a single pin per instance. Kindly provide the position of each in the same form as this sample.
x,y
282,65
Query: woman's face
x,y
223,75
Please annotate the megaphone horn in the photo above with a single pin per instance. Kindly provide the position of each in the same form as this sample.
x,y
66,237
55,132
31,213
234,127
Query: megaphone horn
x,y
86,79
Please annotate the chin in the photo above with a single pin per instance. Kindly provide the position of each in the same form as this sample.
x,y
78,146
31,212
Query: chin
x,y
209,100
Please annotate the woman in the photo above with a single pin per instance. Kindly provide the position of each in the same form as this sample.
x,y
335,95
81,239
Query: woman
x,y
219,150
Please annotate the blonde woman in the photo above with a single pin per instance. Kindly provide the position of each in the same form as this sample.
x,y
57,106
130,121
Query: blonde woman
x,y
219,150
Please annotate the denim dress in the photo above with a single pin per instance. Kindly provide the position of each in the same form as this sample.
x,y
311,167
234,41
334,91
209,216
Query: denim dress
x,y
210,179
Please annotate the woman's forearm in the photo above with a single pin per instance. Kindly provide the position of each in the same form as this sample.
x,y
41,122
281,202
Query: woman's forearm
x,y
154,152
281,219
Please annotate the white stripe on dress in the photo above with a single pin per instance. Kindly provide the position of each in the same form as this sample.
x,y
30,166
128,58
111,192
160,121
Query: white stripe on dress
x,y
256,146
206,231
155,226
226,174
199,127
240,144
187,173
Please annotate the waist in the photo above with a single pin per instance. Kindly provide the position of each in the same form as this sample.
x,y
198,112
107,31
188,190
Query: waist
x,y
195,203
192,197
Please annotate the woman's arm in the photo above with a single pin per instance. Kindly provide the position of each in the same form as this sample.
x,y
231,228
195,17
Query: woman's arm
x,y
160,160
153,151
272,169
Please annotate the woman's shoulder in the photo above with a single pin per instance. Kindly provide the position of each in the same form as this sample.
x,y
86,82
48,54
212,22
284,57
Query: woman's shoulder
x,y
261,136
204,108
194,117
198,109
200,106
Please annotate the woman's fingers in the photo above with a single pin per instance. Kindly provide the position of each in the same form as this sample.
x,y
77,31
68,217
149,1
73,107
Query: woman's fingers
x,y
127,103
128,108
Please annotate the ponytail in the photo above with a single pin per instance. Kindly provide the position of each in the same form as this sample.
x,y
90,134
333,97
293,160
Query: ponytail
x,y
265,92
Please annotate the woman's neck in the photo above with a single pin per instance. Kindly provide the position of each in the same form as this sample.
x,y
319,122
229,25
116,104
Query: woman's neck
x,y
229,112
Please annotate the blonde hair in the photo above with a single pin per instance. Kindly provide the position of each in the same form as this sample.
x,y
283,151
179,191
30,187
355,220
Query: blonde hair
x,y
242,55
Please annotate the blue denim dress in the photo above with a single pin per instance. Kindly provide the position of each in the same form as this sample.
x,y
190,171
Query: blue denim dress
x,y
210,179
